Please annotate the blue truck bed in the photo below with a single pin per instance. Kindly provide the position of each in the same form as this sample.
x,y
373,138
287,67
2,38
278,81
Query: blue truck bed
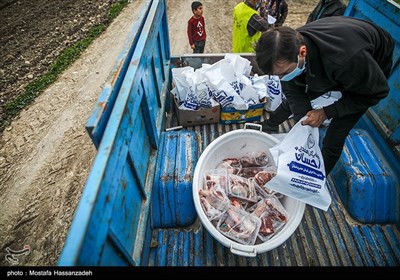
x,y
330,238
137,207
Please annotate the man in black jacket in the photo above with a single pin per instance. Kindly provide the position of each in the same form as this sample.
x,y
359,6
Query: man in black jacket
x,y
277,9
334,53
327,8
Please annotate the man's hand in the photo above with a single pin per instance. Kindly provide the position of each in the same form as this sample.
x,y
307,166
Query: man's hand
x,y
315,118
192,46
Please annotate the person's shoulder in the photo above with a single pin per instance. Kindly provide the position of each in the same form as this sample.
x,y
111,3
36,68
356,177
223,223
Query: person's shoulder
x,y
339,3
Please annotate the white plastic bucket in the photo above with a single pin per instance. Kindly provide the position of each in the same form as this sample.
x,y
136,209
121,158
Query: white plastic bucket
x,y
236,144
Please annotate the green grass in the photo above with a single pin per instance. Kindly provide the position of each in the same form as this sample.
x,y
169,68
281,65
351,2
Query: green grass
x,y
63,61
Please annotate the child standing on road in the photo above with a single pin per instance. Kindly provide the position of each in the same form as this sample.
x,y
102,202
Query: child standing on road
x,y
196,29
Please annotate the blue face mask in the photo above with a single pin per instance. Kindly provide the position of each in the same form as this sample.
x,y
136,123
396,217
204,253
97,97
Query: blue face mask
x,y
297,71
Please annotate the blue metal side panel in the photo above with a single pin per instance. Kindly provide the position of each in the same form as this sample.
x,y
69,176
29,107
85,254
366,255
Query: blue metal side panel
x,y
365,181
98,119
164,41
139,149
126,210
386,114
147,244
185,165
112,256
198,251
112,179
149,55
156,69
172,204
164,176
115,201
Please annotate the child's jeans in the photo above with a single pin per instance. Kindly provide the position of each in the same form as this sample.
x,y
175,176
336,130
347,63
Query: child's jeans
x,y
199,46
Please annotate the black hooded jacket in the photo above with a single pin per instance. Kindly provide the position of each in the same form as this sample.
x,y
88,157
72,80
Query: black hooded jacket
x,y
281,11
332,8
343,54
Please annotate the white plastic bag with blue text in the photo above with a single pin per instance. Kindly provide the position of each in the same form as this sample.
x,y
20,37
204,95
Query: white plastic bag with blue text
x,y
300,167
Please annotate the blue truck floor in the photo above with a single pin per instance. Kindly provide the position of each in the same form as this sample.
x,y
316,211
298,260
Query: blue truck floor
x,y
330,238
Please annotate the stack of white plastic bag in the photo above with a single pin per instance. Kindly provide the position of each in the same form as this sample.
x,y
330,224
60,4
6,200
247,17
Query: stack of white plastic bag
x,y
191,90
227,82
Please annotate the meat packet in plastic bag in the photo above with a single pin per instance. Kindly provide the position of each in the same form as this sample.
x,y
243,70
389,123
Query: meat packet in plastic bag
x,y
250,172
233,165
264,176
239,225
300,167
264,192
213,197
216,197
236,202
211,212
241,188
215,177
273,216
255,159
214,202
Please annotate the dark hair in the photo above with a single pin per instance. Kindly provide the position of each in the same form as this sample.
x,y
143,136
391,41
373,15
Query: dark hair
x,y
277,44
195,5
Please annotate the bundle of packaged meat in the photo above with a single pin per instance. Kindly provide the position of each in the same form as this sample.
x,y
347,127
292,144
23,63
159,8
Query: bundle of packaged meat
x,y
235,200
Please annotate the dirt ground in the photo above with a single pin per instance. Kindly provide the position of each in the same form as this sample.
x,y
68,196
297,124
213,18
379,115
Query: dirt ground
x,y
45,153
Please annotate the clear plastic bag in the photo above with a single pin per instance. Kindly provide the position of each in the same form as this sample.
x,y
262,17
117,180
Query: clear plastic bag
x,y
242,204
255,159
215,177
214,202
239,225
241,188
273,217
216,197
261,191
213,198
264,176
233,165
250,172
